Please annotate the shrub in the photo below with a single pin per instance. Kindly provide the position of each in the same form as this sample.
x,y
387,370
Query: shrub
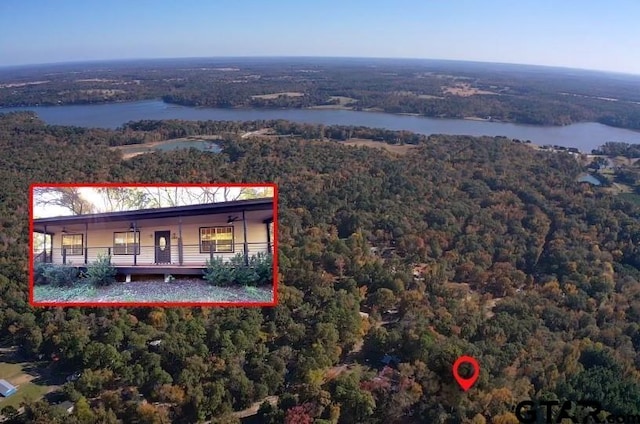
x,y
60,275
218,273
242,274
262,263
259,272
101,272
40,272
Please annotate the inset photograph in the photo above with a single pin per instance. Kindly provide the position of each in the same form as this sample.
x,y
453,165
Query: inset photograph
x,y
153,245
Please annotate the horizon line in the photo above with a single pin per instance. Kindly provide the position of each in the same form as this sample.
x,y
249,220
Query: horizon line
x,y
185,58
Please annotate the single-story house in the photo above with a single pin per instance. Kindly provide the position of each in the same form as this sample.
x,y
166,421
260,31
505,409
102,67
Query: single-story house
x,y
174,240
7,389
66,406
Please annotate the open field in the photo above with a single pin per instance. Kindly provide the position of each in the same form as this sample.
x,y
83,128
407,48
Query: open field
x,y
413,94
393,148
618,189
203,143
27,388
343,103
95,80
464,90
331,107
22,84
342,100
274,96
103,92
428,96
180,290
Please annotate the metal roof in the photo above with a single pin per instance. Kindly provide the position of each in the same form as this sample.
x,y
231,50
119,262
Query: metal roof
x,y
7,388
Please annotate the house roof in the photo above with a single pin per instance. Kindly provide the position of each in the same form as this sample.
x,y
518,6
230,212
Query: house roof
x,y
190,210
67,404
6,388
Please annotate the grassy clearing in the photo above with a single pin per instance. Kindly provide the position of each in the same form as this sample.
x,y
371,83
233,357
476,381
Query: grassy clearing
x,y
28,391
204,143
464,90
343,103
15,375
342,100
428,96
393,148
9,371
180,290
274,96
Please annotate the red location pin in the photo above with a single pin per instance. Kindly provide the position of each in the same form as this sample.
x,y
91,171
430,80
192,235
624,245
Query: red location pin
x,y
466,383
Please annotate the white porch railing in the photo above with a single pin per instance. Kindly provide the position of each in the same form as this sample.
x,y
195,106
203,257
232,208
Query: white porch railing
x,y
175,254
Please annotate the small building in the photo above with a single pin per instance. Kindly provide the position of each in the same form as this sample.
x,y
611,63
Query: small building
x,y
75,376
7,389
176,240
66,406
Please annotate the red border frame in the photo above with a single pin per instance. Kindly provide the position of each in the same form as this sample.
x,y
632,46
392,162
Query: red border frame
x,y
156,304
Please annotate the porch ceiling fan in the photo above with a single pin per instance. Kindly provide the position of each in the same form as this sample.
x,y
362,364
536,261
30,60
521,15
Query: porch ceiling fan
x,y
232,219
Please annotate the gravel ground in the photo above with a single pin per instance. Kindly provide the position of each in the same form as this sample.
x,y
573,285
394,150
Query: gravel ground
x,y
180,290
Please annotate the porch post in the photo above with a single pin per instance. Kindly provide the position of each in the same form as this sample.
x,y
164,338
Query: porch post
x,y
135,245
268,224
45,243
246,245
51,249
180,254
86,243
64,256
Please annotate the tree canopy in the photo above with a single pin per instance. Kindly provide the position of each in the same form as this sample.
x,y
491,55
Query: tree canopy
x,y
461,245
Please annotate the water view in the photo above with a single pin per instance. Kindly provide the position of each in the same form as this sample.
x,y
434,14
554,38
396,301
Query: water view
x,y
584,136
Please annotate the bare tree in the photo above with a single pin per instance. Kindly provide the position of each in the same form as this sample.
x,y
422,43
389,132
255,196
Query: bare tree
x,y
255,193
121,199
124,199
67,197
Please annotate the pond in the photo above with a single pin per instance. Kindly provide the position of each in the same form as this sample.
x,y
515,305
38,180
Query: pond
x,y
588,178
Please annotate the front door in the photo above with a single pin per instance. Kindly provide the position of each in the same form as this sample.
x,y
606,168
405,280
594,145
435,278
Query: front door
x,y
163,247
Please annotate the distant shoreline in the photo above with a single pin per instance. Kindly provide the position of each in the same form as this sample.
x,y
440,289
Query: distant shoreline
x,y
8,109
585,136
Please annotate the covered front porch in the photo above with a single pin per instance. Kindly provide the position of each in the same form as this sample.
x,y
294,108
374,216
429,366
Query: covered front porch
x,y
150,259
161,241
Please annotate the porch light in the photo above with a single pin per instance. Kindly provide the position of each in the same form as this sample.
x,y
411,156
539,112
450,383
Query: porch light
x,y
64,230
133,228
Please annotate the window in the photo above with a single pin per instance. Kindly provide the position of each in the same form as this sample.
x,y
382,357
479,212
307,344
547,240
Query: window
x,y
73,244
124,243
216,239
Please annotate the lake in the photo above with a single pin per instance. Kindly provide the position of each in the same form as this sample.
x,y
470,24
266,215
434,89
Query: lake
x,y
584,136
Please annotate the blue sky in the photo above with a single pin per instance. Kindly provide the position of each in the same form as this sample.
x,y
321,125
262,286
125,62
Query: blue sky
x,y
591,34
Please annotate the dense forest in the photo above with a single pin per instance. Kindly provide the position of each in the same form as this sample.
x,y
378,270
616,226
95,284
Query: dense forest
x,y
460,245
449,89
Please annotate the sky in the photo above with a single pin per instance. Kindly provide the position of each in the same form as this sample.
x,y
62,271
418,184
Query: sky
x,y
589,34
